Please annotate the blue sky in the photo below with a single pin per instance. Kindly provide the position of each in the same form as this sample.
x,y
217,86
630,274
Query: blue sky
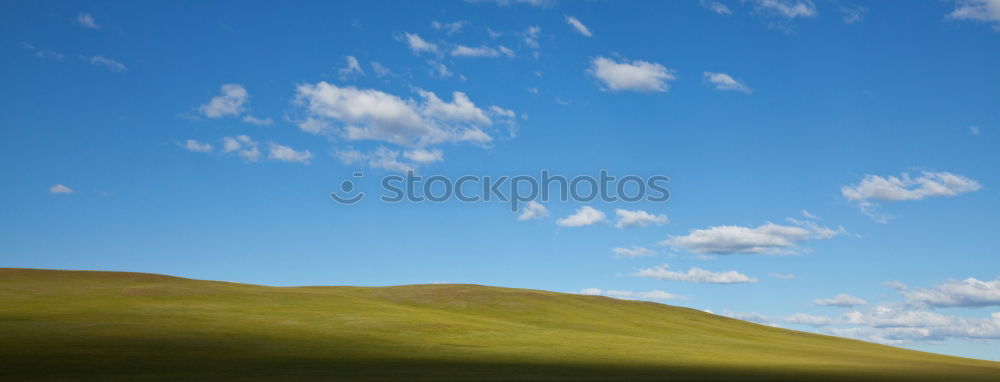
x,y
814,149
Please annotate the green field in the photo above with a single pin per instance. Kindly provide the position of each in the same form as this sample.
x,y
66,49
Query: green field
x,y
107,326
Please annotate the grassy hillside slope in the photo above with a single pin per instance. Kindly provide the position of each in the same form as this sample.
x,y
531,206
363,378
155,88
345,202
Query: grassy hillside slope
x,y
73,325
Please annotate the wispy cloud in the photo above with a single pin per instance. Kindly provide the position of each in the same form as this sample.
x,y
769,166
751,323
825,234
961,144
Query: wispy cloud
x,y
86,20
695,275
723,81
111,64
578,26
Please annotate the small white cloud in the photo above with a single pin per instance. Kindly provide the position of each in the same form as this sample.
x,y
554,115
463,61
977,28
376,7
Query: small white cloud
x,y
892,189
506,51
818,231
531,36
638,218
424,156
380,70
481,51
905,188
974,130
417,44
716,6
634,251
60,189
382,157
768,238
257,121
783,276
506,3
368,114
723,81
639,76
808,319
789,9
196,146
352,68
853,14
44,54
578,26
956,293
230,102
287,154
585,215
242,145
86,20
840,300
808,215
108,63
449,28
695,275
533,210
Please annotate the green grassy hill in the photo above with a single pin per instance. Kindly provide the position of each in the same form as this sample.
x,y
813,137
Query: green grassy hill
x,y
72,325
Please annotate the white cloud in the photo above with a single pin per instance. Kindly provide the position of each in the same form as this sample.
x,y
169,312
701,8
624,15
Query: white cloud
x,y
382,157
893,188
353,67
808,215
196,146
439,70
578,26
978,10
895,324
812,320
634,251
417,44
46,54
111,64
783,276
716,6
768,238
533,210
656,295
695,275
840,300
423,156
638,218
230,102
970,292
723,81
974,130
640,76
904,187
531,36
368,114
585,215
86,20
256,121
818,231
787,8
449,28
242,145
505,3
481,51
853,14
380,70
287,154
60,189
